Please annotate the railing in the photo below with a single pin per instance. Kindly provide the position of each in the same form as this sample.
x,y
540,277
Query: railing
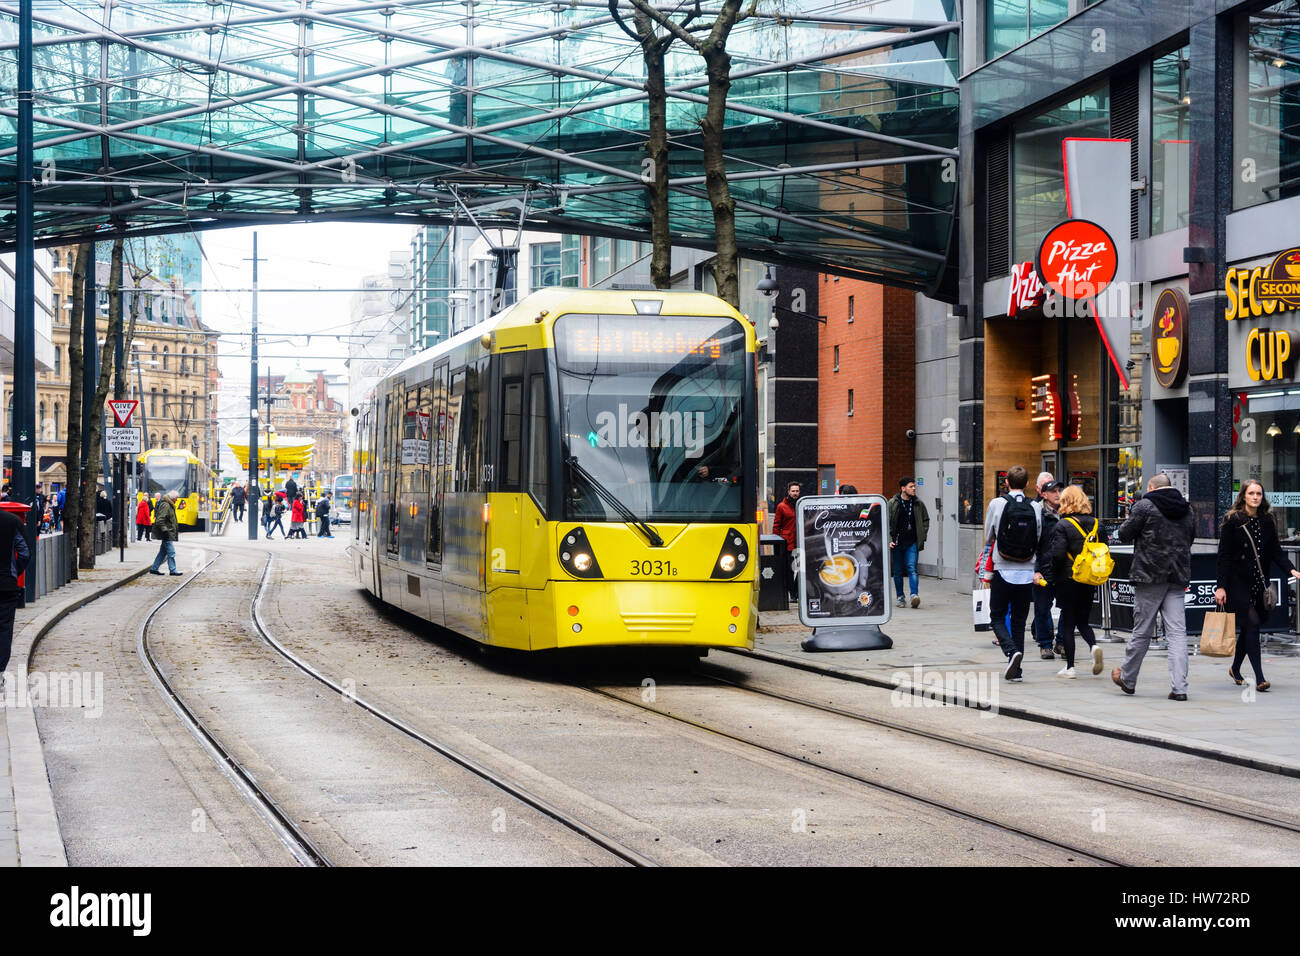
x,y
218,519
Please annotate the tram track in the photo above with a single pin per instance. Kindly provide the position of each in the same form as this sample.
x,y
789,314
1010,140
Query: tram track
x,y
872,783
514,790
1222,805
286,829
1029,715
1217,802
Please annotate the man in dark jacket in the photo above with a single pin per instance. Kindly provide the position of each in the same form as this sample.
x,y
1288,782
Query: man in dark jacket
x,y
323,516
13,545
1161,528
238,497
167,531
908,524
1049,499
291,490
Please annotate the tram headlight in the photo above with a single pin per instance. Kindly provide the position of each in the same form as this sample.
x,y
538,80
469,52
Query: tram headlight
x,y
577,555
733,557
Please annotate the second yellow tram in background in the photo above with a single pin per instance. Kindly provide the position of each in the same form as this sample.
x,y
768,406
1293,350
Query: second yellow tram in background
x,y
579,470
178,470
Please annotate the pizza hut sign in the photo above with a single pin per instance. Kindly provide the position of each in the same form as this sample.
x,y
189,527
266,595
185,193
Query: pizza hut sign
x,y
1026,290
1077,259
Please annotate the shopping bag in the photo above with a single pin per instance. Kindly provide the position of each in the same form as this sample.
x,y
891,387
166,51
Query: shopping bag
x,y
980,608
1219,634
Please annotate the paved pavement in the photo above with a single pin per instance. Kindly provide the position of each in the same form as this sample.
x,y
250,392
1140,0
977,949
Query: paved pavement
x,y
29,827
937,640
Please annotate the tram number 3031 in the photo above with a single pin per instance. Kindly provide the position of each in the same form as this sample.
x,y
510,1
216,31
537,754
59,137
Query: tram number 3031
x,y
653,569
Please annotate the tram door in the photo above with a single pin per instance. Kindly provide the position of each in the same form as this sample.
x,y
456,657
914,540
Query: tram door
x,y
506,602
394,403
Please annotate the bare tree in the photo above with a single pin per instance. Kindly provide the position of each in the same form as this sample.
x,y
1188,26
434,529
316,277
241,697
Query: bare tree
x,y
90,491
709,40
654,41
76,372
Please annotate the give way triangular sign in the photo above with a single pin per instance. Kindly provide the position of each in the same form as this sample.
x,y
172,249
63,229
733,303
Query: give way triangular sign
x,y
122,411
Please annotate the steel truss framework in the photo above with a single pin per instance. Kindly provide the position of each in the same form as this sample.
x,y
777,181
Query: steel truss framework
x,y
159,116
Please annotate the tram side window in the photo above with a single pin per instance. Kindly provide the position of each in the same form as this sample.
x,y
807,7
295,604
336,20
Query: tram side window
x,y
469,452
538,459
438,463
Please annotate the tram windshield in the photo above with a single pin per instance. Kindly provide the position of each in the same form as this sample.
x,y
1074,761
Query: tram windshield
x,y
652,407
167,474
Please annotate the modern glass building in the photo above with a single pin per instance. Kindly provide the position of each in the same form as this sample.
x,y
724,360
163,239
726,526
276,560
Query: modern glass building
x,y
1178,123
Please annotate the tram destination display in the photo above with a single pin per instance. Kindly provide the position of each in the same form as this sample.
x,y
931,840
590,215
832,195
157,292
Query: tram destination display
x,y
843,562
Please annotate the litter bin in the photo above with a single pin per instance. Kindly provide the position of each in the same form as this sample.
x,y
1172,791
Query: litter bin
x,y
773,567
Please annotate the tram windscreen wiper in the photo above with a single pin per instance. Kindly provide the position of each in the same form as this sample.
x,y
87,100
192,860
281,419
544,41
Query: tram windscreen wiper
x,y
626,513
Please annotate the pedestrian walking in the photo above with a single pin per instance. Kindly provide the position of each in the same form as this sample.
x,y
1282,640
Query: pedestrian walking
x,y
1161,528
291,489
1069,534
277,513
103,506
1044,634
296,517
1012,527
1248,547
238,497
143,518
783,523
908,523
167,531
16,554
323,516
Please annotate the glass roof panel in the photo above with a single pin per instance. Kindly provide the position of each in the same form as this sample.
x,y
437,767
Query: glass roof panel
x,y
178,114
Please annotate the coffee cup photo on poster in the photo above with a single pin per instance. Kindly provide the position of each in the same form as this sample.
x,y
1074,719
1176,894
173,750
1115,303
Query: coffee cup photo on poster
x,y
843,562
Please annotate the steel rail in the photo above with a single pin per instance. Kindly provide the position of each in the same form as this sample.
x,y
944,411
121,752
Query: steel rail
x,y
979,747
303,848
537,803
865,781
1239,760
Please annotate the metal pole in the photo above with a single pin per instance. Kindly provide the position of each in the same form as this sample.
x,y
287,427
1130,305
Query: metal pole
x,y
119,386
253,477
24,424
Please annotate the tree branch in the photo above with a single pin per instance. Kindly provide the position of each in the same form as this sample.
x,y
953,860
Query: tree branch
x,y
668,23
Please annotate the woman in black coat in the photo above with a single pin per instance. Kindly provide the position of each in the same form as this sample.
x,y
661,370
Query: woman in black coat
x,y
1243,581
1074,599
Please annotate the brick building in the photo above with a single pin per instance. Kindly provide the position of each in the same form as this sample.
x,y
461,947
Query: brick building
x,y
866,371
302,408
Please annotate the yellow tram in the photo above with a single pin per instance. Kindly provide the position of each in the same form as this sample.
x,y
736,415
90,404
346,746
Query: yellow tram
x,y
579,470
176,469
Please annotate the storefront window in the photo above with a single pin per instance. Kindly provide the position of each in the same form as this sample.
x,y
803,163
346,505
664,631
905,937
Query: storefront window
x,y
1268,451
1267,113
1013,22
1039,171
1170,142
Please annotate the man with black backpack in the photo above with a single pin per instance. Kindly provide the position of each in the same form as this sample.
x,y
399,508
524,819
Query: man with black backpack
x,y
1013,526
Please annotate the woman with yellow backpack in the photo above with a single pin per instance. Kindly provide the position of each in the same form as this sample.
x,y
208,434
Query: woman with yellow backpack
x,y
1080,554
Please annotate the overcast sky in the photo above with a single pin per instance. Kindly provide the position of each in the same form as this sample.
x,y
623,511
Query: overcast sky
x,y
309,256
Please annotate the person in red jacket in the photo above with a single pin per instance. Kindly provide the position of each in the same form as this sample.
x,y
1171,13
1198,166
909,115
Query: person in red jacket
x,y
297,517
784,525
143,519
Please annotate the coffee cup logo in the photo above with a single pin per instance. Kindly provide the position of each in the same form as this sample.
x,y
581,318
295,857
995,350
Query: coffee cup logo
x,y
1283,281
1169,338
